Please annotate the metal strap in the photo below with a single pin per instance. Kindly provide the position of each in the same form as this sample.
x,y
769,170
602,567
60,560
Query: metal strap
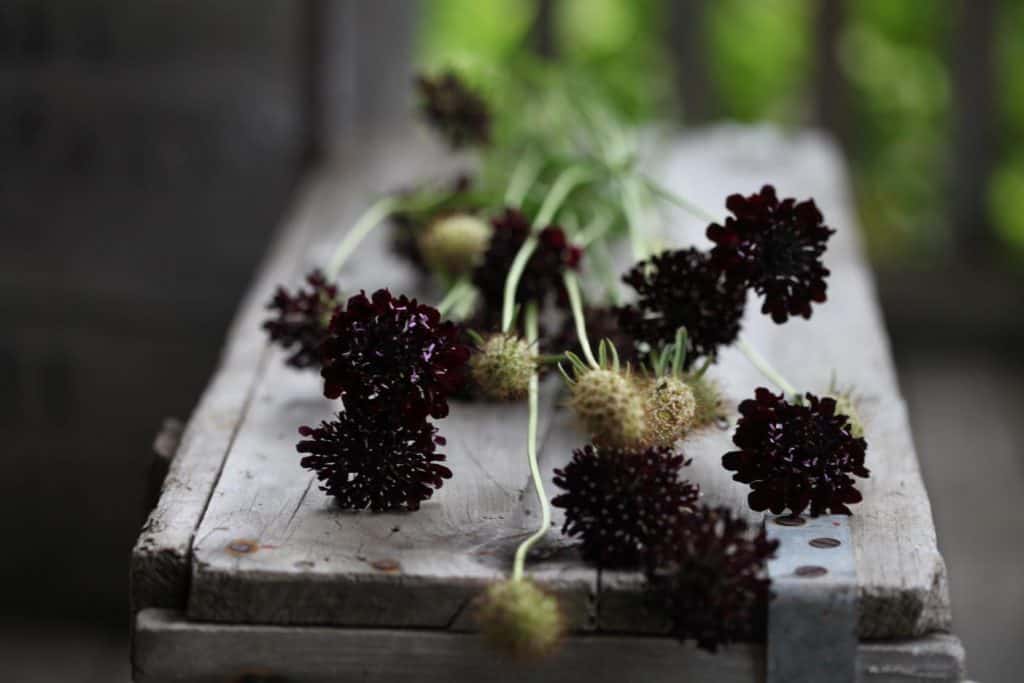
x,y
812,620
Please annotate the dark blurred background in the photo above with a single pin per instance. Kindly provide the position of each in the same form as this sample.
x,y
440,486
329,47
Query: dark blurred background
x,y
150,149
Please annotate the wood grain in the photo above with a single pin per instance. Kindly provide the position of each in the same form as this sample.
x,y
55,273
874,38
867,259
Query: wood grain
x,y
170,648
306,563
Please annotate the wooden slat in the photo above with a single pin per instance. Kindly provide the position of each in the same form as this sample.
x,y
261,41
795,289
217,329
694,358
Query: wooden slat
x,y
315,565
170,648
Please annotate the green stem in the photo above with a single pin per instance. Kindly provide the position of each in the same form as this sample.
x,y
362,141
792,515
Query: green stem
x,y
455,294
531,453
370,219
572,286
569,179
523,177
634,216
684,204
601,260
759,362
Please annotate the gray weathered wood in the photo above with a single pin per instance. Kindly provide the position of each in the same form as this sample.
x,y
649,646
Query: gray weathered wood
x,y
316,565
169,648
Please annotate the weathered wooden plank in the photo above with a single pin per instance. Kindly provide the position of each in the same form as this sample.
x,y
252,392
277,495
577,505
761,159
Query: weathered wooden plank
x,y
160,564
170,648
316,565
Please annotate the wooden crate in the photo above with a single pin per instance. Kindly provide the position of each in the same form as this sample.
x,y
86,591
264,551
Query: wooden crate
x,y
245,567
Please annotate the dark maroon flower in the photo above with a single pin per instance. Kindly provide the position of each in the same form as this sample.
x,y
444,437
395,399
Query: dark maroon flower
x,y
795,455
389,353
377,461
682,289
710,578
459,114
543,273
302,319
620,503
775,248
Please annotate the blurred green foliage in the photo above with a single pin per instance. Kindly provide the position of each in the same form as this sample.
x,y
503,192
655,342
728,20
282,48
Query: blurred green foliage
x,y
894,55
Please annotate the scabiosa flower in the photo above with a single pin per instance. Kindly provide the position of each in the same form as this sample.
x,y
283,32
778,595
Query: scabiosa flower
x,y
502,367
378,461
710,578
390,353
453,244
610,406
775,248
520,619
543,273
458,113
796,455
302,319
682,289
621,503
669,409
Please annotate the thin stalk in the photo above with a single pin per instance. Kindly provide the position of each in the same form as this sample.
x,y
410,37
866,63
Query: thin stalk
x,y
523,177
683,204
370,219
569,179
572,286
765,368
634,216
455,294
523,550
602,262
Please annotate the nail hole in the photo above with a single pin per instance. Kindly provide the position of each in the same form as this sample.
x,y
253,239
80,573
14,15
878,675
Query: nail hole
x,y
810,571
824,542
242,547
790,520
386,565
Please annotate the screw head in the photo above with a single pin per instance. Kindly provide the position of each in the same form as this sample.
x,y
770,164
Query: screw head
x,y
824,542
790,520
810,571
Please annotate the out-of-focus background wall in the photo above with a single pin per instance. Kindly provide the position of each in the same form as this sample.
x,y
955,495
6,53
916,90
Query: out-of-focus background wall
x,y
147,151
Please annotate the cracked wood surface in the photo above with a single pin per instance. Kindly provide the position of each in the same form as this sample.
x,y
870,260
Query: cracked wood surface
x,y
270,549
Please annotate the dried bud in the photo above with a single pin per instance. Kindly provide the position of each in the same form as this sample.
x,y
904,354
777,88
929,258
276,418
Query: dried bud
x,y
669,410
454,244
708,400
502,367
610,407
846,405
520,619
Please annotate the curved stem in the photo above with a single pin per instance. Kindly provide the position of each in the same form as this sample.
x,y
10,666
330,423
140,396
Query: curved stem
x,y
455,294
765,368
572,286
370,219
569,179
531,453
523,177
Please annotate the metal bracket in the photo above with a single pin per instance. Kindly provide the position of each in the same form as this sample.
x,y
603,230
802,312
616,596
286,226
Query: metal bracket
x,y
812,619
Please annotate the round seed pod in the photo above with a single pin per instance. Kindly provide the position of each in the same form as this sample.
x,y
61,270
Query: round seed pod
x,y
669,409
610,407
520,619
455,243
502,367
846,405
707,400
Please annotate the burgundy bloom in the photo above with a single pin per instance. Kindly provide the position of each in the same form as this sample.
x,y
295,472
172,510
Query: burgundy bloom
x,y
376,461
775,248
795,455
711,579
682,289
543,273
389,353
302,319
458,113
621,503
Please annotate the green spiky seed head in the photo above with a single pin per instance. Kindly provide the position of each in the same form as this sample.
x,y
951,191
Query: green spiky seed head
x,y
454,244
502,367
670,410
610,407
708,400
520,619
847,405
